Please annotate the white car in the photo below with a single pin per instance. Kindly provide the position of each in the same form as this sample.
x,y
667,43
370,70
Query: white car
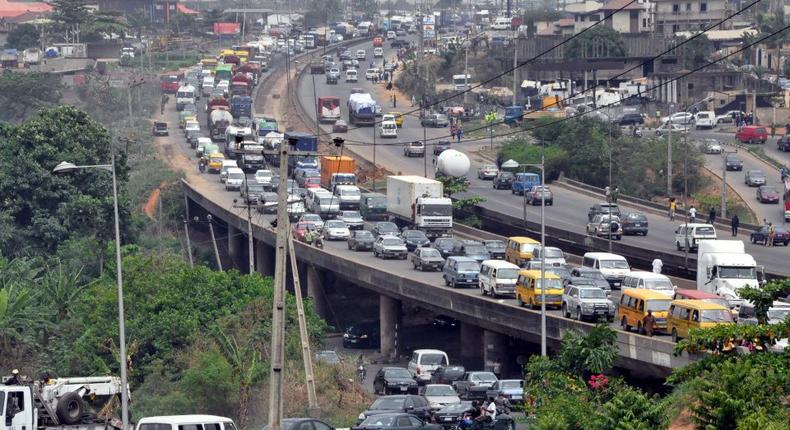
x,y
712,146
370,74
675,128
705,119
235,179
208,85
361,55
440,395
264,177
679,118
223,85
314,219
378,52
353,219
389,246
388,129
336,230
351,75
727,117
391,35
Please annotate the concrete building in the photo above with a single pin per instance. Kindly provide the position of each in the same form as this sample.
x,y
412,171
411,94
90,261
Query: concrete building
x,y
618,15
673,16
157,10
15,12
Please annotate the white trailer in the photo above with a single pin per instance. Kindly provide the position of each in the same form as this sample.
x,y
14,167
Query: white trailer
x,y
421,203
724,267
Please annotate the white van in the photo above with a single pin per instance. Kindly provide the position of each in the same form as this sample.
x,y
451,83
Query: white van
x,y
388,129
649,281
223,171
185,96
235,179
501,23
498,277
323,203
612,266
424,362
186,422
692,233
554,256
705,119
351,75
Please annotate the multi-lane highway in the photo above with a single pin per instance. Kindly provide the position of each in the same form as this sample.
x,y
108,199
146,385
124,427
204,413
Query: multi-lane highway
x,y
569,211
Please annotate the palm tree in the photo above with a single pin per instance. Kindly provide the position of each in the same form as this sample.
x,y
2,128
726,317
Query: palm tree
x,y
247,365
18,316
768,23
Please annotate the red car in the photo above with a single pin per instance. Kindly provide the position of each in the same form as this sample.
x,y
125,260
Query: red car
x,y
300,228
312,182
752,134
767,194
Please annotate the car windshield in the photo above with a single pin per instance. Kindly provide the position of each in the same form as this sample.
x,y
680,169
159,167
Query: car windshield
x,y
255,188
436,210
551,284
507,273
495,244
397,373
387,226
327,201
475,249
553,253
440,391
335,224
263,174
737,272
756,174
483,377
311,217
391,242
236,176
658,284
388,403
658,305
716,315
526,247
351,192
380,420
468,266
592,293
768,190
613,264
430,253
509,385
363,234
414,234
351,214
433,359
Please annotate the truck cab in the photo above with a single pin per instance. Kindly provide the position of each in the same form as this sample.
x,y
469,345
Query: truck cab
x,y
16,408
724,267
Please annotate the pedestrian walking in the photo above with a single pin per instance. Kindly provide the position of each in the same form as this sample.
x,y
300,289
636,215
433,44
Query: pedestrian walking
x,y
658,265
413,101
735,223
649,323
771,234
712,215
673,206
693,215
394,101
459,134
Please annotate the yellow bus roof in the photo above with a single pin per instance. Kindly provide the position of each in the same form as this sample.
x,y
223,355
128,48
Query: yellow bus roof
x,y
698,304
533,273
522,239
640,293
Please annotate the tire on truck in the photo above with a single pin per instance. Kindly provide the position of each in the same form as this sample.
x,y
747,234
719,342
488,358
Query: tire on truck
x,y
70,408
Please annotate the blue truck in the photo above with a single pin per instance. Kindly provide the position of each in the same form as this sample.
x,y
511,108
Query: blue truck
x,y
241,106
305,142
523,182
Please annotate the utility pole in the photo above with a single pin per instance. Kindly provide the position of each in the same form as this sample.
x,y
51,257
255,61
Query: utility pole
x,y
250,238
189,244
669,151
214,242
515,67
312,399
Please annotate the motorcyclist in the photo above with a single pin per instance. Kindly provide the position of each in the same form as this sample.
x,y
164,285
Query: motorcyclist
x,y
309,235
784,172
503,405
202,164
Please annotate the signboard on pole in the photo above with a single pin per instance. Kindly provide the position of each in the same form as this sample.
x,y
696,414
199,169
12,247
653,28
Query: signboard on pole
x,y
227,28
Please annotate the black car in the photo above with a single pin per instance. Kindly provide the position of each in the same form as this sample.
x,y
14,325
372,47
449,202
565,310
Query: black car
x,y
446,246
594,275
361,240
603,208
447,374
399,43
391,380
451,415
634,223
303,423
496,248
733,162
503,181
415,239
783,144
362,335
781,236
402,403
630,119
401,421
443,321
474,249
160,128
440,147
385,227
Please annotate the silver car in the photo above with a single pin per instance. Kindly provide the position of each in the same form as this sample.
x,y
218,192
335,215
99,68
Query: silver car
x,y
353,219
586,303
754,178
426,259
605,225
388,246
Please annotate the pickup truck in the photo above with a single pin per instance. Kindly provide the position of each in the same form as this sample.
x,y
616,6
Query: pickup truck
x,y
475,385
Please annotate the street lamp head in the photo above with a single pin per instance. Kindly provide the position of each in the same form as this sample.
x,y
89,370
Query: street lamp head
x,y
65,168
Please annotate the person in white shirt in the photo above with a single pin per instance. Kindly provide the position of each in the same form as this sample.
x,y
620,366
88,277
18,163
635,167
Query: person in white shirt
x,y
693,214
657,265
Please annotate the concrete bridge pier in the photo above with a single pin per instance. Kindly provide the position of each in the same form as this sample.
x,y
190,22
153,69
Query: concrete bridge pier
x,y
264,258
236,242
389,317
316,281
471,345
495,348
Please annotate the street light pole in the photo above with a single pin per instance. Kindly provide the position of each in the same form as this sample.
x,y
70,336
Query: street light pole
x,y
65,168
724,181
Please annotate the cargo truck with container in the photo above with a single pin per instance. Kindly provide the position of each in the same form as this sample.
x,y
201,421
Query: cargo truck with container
x,y
235,134
9,59
361,109
60,404
419,202
302,142
266,125
250,156
338,170
241,106
724,267
31,56
218,121
328,109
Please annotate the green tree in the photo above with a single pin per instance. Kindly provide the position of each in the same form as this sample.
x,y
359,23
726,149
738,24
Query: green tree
x,y
763,298
525,152
22,94
594,352
23,36
18,317
463,204
693,53
597,42
631,409
42,209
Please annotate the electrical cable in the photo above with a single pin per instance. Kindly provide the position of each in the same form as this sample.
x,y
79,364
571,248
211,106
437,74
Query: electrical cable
x,y
688,40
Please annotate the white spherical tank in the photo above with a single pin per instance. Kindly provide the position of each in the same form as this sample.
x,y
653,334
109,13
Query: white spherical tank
x,y
453,163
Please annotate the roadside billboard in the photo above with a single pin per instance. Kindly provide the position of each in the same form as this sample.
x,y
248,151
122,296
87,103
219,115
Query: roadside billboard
x,y
227,28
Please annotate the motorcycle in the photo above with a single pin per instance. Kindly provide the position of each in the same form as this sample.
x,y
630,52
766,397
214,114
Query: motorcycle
x,y
361,373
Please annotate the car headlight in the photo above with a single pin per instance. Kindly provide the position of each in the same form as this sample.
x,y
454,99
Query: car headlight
x,y
364,336
587,306
361,416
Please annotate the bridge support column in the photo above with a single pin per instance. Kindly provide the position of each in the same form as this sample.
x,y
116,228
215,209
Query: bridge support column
x,y
471,345
264,258
495,352
315,290
389,315
235,247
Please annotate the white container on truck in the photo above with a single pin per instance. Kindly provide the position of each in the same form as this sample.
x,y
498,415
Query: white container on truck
x,y
420,202
724,267
60,404
185,96
31,56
